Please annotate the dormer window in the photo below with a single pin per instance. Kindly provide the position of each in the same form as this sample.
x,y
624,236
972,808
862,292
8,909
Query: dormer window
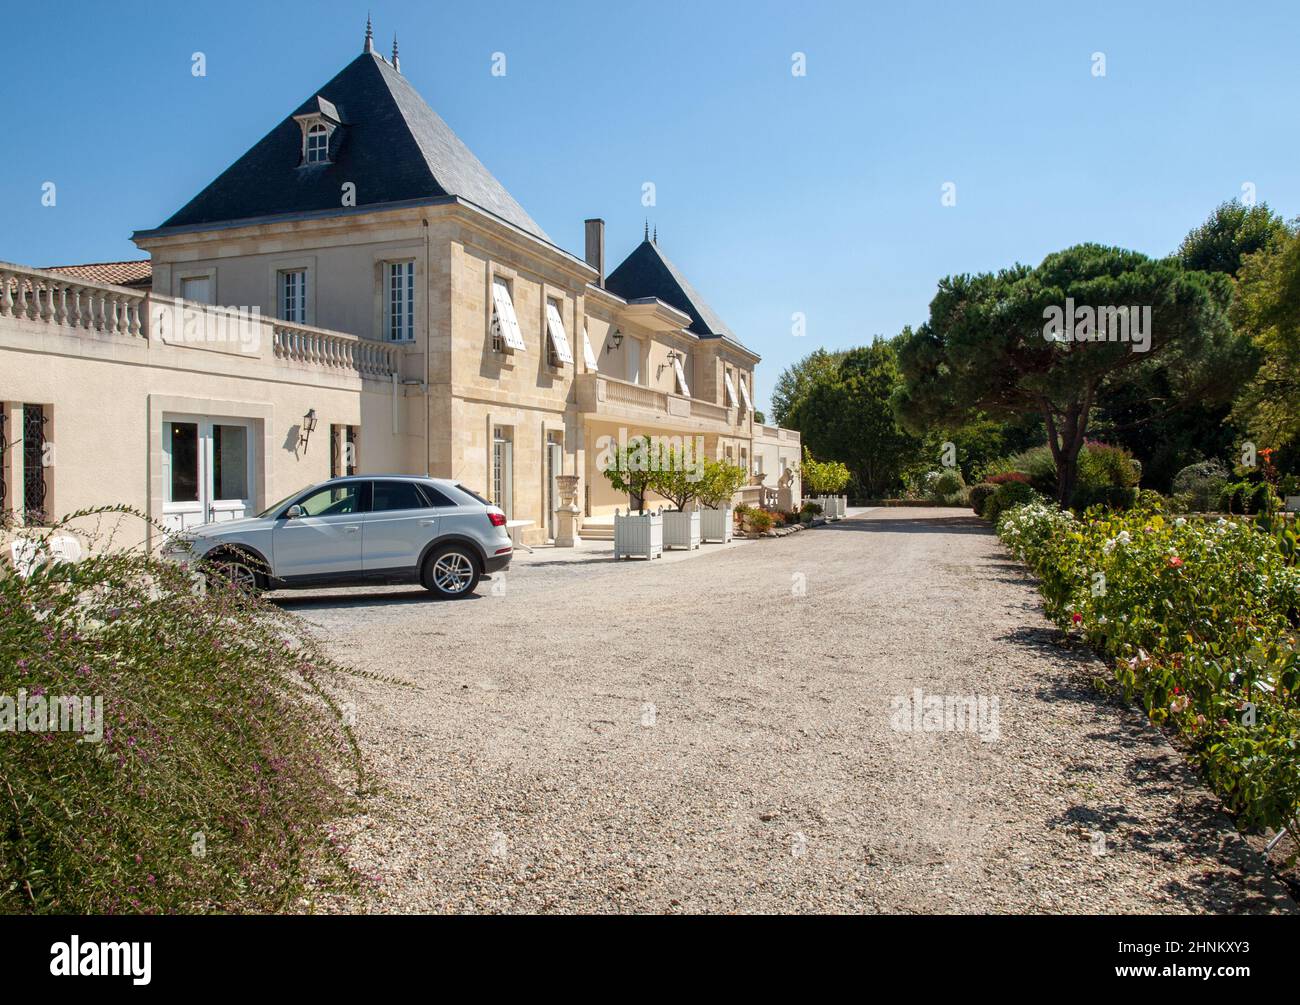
x,y
318,144
317,119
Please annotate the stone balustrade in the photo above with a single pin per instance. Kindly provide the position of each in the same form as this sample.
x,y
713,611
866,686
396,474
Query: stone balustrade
x,y
54,299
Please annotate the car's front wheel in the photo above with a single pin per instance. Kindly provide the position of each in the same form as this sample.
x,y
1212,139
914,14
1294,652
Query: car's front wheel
x,y
450,571
235,571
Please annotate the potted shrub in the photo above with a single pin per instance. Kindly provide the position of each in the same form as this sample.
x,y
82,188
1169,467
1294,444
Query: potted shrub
x,y
640,534
721,481
825,479
679,482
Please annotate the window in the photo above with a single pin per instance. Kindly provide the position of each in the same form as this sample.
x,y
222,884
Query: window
x,y
183,442
731,389
557,353
758,464
229,462
399,302
506,336
503,460
435,497
587,353
343,450
197,289
318,143
293,296
34,487
744,393
682,386
397,495
331,501
633,351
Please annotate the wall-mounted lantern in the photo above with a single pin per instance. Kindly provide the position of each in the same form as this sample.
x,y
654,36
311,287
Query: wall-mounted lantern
x,y
617,339
308,427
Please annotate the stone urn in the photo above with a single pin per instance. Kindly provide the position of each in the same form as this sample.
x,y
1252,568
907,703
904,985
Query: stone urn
x,y
567,512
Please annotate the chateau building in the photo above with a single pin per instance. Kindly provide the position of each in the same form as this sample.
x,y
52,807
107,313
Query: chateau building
x,y
357,292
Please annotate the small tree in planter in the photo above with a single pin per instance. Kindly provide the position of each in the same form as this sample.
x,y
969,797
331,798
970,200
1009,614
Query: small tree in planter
x,y
721,481
826,478
629,471
678,479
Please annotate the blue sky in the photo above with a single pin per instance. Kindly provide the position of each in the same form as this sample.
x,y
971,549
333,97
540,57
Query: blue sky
x,y
776,194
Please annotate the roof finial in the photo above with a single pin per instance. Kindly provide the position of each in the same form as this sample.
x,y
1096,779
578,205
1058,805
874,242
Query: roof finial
x,y
370,36
397,63
647,228
656,233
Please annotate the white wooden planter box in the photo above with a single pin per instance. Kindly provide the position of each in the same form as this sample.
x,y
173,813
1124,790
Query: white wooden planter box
x,y
638,536
839,506
682,530
717,524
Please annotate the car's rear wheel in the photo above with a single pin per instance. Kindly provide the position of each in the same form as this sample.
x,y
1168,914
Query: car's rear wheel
x,y
450,571
235,572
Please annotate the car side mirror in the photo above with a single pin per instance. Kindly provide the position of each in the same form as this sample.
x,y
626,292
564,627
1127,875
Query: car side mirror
x,y
293,512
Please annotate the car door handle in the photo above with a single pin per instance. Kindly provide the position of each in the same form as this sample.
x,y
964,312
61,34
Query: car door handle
x,y
351,528
427,523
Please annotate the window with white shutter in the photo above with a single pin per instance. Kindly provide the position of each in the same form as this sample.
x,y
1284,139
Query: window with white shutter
x,y
505,325
559,352
587,353
744,393
682,386
731,389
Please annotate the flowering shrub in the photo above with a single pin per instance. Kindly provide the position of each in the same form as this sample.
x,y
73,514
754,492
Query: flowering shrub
x,y
220,757
1201,619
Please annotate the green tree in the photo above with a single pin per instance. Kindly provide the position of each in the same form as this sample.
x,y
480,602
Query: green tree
x,y
986,348
721,481
845,414
1232,232
796,380
1267,309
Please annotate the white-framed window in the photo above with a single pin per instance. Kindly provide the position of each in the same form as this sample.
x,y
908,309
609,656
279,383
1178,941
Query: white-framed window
x,y
318,144
557,350
503,464
399,301
197,289
633,349
758,464
293,296
506,336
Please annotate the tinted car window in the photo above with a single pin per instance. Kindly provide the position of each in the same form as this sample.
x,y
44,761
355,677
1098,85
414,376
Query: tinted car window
x,y
472,494
330,501
435,497
396,495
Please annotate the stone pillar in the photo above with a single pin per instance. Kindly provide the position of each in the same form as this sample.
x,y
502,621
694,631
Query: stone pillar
x,y
568,512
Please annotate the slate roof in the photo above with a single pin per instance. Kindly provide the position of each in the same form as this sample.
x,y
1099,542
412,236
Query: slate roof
x,y
391,144
647,272
137,273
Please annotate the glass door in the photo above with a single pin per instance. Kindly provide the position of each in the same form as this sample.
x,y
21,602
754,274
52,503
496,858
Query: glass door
x,y
207,470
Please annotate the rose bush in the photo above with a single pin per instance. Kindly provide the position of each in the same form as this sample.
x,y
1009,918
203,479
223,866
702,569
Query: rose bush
x,y
1200,617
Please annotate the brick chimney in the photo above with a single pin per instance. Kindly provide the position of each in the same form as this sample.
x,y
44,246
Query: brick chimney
x,y
596,248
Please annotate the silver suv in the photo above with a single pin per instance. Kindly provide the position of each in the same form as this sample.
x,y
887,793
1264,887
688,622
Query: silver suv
x,y
359,530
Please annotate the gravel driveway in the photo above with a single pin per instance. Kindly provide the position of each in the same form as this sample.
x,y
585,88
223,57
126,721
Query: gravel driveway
x,y
699,737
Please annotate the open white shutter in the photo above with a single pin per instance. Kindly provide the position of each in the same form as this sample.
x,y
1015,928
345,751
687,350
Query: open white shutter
x,y
555,327
587,353
744,393
504,311
731,391
681,377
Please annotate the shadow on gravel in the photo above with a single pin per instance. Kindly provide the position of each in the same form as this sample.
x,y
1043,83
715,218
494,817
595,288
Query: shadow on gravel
x,y
1238,885
871,524
406,598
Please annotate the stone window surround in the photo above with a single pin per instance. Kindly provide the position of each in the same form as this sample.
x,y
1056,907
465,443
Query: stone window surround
x,y
562,301
292,263
494,270
402,251
260,414
180,274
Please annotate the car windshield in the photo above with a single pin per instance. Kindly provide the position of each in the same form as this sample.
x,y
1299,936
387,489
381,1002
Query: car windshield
x,y
273,510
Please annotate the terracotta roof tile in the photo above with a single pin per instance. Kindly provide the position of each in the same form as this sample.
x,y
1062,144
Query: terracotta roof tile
x,y
138,273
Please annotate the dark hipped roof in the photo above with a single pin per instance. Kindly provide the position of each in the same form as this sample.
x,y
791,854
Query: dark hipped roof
x,y
391,144
648,273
